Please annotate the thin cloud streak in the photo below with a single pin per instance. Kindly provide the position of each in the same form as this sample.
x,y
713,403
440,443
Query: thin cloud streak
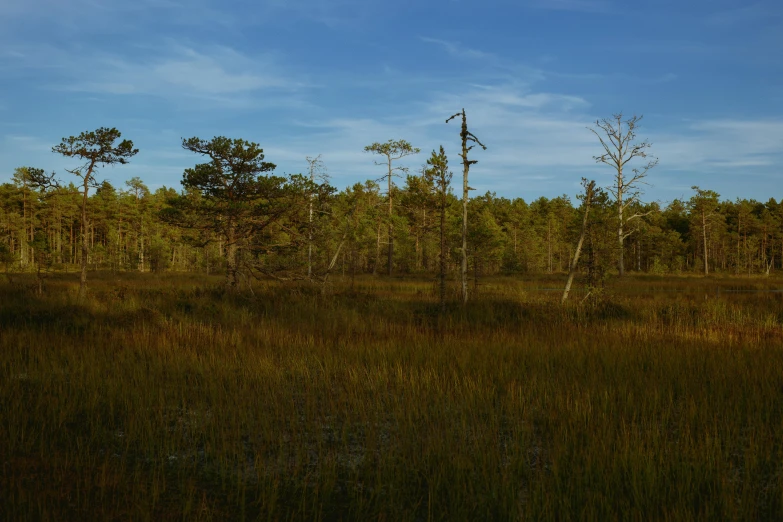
x,y
746,14
721,145
184,70
579,6
458,51
217,75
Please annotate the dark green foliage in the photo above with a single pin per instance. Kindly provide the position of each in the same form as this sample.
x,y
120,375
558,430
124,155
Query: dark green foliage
x,y
392,151
97,148
438,176
233,199
125,227
233,207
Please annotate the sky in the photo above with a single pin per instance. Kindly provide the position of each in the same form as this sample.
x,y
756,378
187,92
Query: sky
x,y
310,77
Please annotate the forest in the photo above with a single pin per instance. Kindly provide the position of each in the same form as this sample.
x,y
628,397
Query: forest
x,y
299,226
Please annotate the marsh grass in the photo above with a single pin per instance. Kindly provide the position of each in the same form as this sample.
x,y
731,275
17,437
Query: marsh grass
x,y
162,398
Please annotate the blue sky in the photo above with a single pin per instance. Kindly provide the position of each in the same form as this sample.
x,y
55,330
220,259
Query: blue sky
x,y
309,77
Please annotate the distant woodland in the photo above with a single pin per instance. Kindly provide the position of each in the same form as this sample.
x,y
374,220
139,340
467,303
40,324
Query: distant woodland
x,y
234,215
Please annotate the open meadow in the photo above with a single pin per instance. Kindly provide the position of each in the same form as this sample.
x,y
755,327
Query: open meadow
x,y
163,398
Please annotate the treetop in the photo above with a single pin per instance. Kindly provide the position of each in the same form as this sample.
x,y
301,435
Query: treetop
x,y
393,149
97,147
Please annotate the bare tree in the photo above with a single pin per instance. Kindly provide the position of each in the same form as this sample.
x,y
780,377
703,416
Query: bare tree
x,y
393,151
587,202
467,137
95,149
317,170
618,138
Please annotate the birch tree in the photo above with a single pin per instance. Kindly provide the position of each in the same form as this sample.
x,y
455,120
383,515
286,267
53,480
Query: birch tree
x,y
587,202
618,139
317,170
469,140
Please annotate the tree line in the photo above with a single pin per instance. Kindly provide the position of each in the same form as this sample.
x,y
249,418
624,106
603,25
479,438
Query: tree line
x,y
233,215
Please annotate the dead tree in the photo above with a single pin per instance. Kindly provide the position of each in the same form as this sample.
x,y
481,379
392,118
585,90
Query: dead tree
x,y
467,137
588,201
317,170
617,137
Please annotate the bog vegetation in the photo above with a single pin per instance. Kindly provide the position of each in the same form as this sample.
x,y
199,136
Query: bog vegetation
x,y
164,398
265,347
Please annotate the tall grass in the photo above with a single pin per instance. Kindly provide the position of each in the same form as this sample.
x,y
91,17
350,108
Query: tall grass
x,y
162,398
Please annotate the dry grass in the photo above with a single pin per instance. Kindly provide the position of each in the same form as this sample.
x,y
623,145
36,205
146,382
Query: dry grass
x,y
161,398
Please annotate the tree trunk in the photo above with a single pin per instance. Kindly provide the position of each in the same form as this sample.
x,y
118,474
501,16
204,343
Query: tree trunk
x,y
310,246
475,272
704,235
738,266
464,266
377,250
141,249
572,268
549,245
620,236
443,255
391,224
638,252
310,233
85,244
25,247
425,258
466,136
232,276
353,267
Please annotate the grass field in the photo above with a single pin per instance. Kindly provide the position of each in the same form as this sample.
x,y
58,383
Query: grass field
x,y
160,398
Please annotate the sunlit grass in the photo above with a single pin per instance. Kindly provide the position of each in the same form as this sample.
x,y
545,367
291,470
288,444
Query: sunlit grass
x,y
162,398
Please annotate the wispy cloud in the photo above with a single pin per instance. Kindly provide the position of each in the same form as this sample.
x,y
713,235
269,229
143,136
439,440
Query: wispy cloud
x,y
32,144
583,6
14,8
722,145
746,14
217,75
334,14
73,14
206,80
538,143
184,70
652,46
533,137
489,63
459,51
511,95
